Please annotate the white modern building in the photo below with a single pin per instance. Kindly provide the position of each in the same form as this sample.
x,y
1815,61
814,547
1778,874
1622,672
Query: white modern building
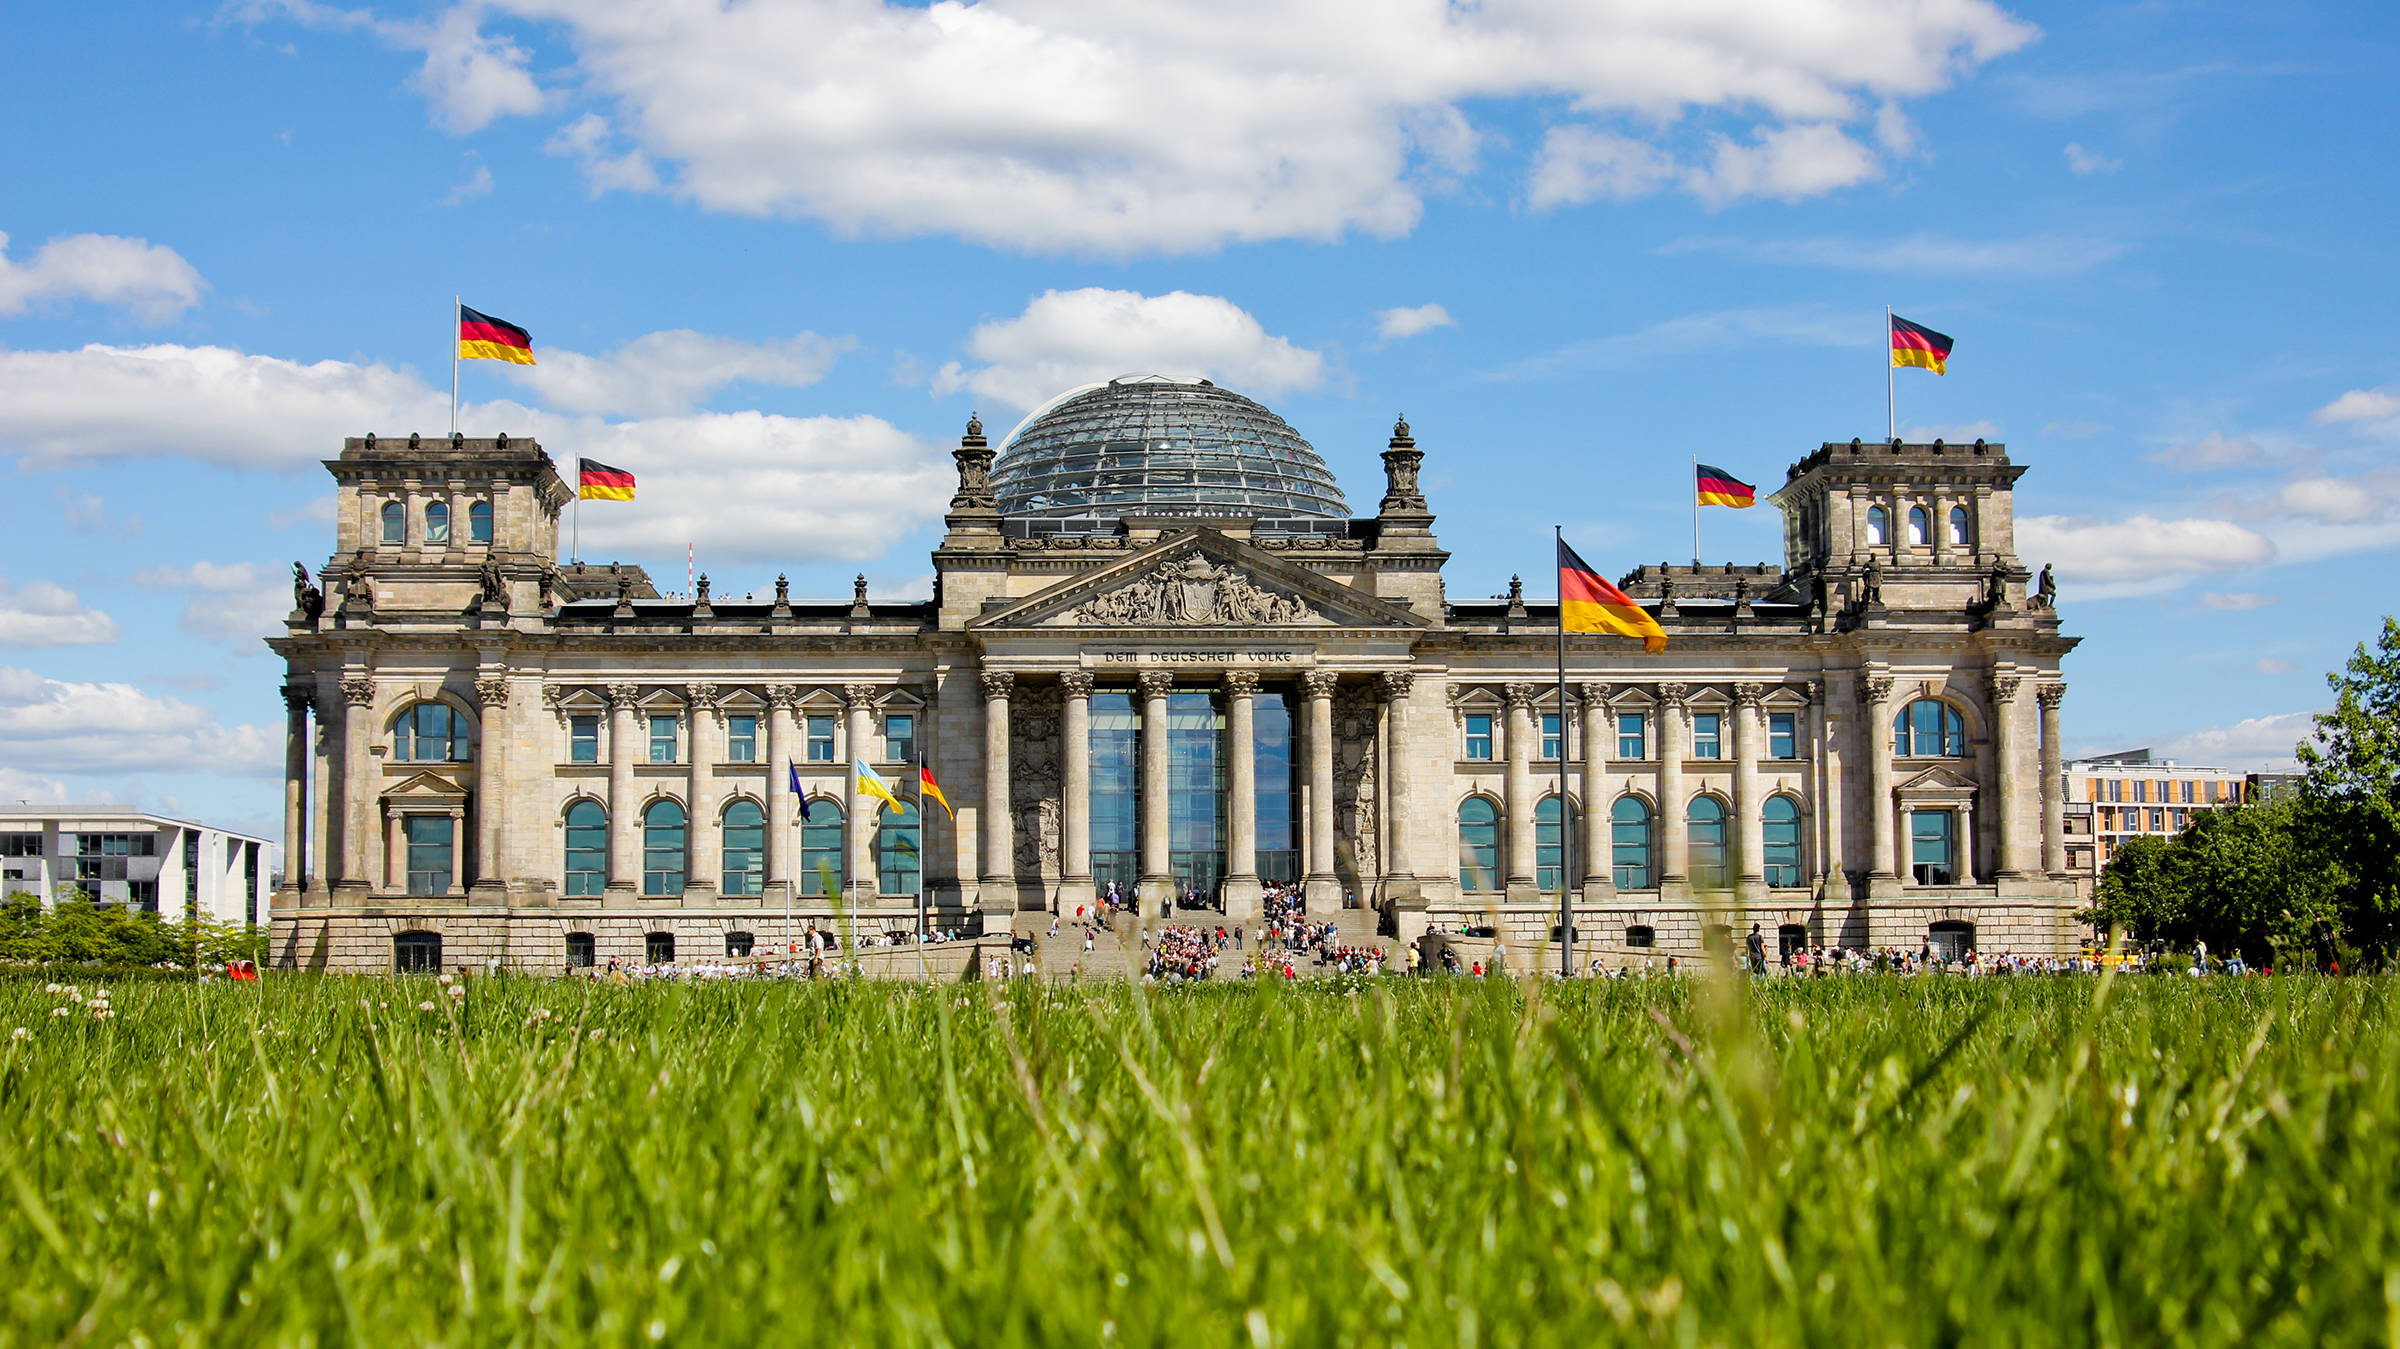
x,y
121,855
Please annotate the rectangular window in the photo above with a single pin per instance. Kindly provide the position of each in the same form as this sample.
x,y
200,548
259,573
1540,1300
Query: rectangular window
x,y
2141,790
2158,821
1929,847
2187,793
1705,735
1783,735
662,739
1479,735
428,853
1632,737
820,740
741,740
20,845
2116,789
583,740
1550,737
143,895
899,739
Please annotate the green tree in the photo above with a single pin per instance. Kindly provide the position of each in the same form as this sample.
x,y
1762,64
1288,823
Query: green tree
x,y
2353,779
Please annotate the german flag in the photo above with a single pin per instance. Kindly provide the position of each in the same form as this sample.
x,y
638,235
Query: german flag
x,y
1719,488
926,787
484,338
601,483
1588,603
1915,344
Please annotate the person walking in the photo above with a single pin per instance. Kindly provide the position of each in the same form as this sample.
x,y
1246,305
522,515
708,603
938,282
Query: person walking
x,y
1757,945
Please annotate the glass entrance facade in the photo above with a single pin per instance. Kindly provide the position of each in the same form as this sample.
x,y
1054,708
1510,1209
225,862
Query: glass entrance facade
x,y
1116,790
1278,826
1195,792
1198,787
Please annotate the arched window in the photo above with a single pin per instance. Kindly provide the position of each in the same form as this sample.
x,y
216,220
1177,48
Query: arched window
x,y
1551,867
1779,826
437,522
1959,534
1879,526
1629,843
662,849
395,523
1705,828
821,861
583,950
479,522
587,849
1929,729
739,943
417,952
896,850
1478,844
430,733
745,849
1920,528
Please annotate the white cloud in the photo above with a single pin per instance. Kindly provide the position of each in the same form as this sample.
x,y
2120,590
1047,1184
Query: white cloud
x,y
151,280
2083,163
44,613
30,789
2235,601
2335,501
1923,254
2270,665
1067,338
2214,450
1175,125
236,602
2140,555
2257,745
478,184
1690,333
88,513
1391,325
591,142
2360,405
1579,164
660,374
54,726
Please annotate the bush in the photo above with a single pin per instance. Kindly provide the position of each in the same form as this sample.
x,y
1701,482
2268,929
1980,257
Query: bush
x,y
80,931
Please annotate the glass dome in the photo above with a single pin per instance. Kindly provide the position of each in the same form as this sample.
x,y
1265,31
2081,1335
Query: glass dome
x,y
1150,445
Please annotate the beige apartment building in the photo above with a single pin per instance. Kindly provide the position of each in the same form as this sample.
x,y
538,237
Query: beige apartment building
x,y
1164,654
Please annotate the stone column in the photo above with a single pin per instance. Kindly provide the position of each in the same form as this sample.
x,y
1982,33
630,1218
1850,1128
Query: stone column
x,y
1242,889
1322,892
1400,800
458,828
1875,694
624,796
1157,884
2054,786
1599,879
702,865
297,766
359,837
491,790
1674,850
1749,829
863,812
1965,843
2015,860
1075,792
1518,793
395,848
999,842
780,699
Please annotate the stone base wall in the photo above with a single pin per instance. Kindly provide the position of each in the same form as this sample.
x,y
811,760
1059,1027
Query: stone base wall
x,y
2003,925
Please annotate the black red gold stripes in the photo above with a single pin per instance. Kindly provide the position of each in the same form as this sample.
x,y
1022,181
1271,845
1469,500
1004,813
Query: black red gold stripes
x,y
1917,345
484,338
1719,488
601,483
1588,603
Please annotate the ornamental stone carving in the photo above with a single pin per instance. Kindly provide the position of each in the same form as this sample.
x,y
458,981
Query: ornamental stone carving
x,y
2004,687
554,697
1749,694
1241,683
997,685
1193,592
701,697
622,697
1672,695
2050,695
1076,683
298,699
1520,695
1356,718
1875,689
1156,683
358,692
492,691
1593,694
858,696
1397,683
783,695
1318,683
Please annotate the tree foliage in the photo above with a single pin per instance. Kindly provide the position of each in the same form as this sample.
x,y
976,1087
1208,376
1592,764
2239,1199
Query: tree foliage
x,y
80,932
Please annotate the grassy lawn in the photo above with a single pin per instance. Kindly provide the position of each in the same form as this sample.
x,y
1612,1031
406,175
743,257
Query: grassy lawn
x,y
1851,1161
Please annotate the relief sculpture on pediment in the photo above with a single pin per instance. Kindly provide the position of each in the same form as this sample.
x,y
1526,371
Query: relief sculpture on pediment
x,y
1193,592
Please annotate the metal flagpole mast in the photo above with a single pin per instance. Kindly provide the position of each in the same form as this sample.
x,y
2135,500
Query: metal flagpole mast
x,y
1695,486
1891,409
920,766
1566,902
456,303
789,880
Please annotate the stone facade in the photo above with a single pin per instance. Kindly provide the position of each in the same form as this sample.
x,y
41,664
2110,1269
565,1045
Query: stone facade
x,y
1851,744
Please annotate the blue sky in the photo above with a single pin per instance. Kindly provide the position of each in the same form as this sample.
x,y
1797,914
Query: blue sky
x,y
773,256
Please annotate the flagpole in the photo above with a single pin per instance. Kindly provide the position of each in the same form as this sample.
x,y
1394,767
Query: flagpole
x,y
1891,409
920,758
1695,510
456,303
1566,844
789,881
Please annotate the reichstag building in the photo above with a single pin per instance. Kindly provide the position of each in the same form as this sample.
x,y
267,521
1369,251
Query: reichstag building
x,y
1164,653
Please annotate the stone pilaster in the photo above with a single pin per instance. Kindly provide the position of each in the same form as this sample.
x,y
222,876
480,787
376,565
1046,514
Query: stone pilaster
x,y
2016,861
1749,827
999,885
624,796
359,787
1322,890
1075,791
1883,873
1599,881
781,700
1399,866
1674,875
491,790
702,863
1518,789
1158,874
1242,890
2054,787
862,813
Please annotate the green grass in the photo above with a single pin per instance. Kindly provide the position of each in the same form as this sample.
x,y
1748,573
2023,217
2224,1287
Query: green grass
x,y
1852,1162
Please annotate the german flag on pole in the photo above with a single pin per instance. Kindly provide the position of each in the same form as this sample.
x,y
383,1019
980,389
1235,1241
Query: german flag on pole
x,y
1588,603
484,338
1719,488
601,483
926,787
1915,344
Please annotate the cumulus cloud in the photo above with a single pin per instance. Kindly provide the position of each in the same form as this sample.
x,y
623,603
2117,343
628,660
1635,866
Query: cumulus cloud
x,y
660,374
1067,338
2270,665
2140,555
2235,601
44,613
1172,126
1391,325
150,280
237,602
2260,744
56,726
30,788
477,184
1579,164
2084,163
1921,254
2360,405
2214,450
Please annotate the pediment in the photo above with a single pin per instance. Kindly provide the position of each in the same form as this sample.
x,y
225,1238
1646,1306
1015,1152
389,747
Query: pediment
x,y
1199,580
424,788
1937,781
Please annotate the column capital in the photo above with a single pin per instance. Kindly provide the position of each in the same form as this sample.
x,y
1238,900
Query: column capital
x,y
1155,683
492,691
621,697
297,698
1749,693
1397,684
2005,686
1241,683
701,696
1318,683
1521,695
2050,695
1875,689
997,685
358,692
1593,694
1075,683
858,697
1672,694
784,696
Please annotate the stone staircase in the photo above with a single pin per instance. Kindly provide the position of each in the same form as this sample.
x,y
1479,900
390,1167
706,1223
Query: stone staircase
x,y
1117,951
